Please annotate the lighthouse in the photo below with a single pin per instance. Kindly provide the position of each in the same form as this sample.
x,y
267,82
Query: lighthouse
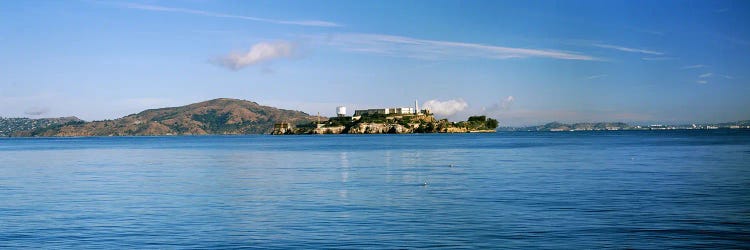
x,y
416,107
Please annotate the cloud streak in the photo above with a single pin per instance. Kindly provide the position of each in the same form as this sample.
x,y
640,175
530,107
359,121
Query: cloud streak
x,y
400,46
657,58
697,66
157,8
706,75
626,49
445,108
595,77
260,52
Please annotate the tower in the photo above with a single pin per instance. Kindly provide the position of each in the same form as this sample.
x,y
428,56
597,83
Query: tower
x,y
416,107
340,111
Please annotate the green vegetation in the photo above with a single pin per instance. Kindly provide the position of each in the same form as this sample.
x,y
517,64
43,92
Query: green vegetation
x,y
395,123
479,123
428,127
214,121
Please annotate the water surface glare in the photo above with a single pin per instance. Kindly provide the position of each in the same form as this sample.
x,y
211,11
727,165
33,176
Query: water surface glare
x,y
632,189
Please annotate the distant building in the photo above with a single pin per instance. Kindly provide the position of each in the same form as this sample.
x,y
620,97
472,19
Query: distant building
x,y
393,111
386,111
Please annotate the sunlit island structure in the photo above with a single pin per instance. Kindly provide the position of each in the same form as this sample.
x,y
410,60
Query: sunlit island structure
x,y
398,120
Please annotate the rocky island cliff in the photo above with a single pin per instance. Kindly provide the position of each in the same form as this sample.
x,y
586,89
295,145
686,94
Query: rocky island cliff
x,y
393,124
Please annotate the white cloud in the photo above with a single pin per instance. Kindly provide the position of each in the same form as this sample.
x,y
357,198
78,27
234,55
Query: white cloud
x,y
260,52
595,77
445,108
507,102
706,75
696,66
626,49
400,46
158,8
702,81
727,77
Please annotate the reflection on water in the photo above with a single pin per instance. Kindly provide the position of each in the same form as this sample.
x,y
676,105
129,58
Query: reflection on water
x,y
344,173
680,189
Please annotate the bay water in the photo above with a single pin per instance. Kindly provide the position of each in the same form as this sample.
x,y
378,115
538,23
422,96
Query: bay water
x,y
544,190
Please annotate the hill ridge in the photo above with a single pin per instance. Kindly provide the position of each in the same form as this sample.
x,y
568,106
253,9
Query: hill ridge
x,y
215,116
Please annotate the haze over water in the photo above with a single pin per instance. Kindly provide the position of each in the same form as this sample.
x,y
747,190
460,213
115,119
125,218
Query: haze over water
x,y
635,189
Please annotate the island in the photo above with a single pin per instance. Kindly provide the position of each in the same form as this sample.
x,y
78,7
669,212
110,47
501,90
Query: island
x,y
399,120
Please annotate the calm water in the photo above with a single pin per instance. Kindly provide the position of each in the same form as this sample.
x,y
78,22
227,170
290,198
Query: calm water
x,y
669,189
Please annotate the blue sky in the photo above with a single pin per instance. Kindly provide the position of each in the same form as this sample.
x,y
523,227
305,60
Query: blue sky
x,y
522,62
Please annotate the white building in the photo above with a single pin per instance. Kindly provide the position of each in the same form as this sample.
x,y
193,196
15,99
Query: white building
x,y
340,111
386,111
393,111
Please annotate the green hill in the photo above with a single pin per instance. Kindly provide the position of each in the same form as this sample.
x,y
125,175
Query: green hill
x,y
218,116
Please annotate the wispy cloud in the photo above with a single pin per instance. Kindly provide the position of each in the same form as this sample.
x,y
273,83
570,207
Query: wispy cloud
x,y
727,77
595,77
646,31
721,10
737,40
702,81
626,49
36,111
445,108
662,58
401,46
706,75
696,66
260,52
158,8
501,106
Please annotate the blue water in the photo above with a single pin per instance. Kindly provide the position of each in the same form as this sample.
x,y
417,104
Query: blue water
x,y
633,189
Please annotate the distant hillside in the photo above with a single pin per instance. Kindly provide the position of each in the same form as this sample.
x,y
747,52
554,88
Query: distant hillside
x,y
218,116
587,126
9,126
556,126
744,123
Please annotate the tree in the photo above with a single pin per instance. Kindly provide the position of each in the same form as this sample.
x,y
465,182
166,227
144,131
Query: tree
x,y
480,118
491,123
